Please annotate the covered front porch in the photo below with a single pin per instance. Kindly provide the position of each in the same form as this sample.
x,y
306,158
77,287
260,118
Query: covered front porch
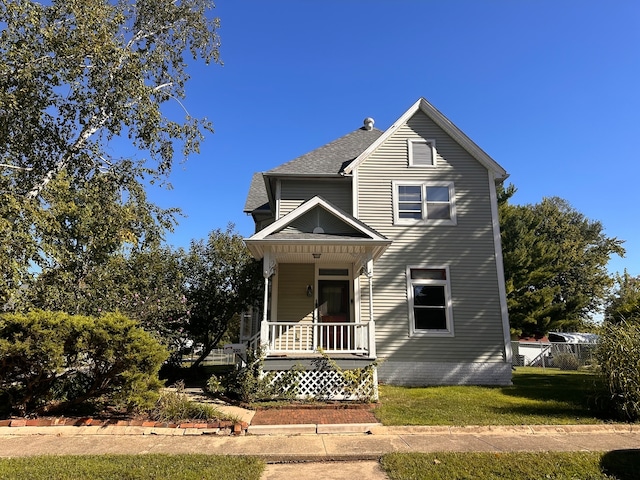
x,y
318,269
317,298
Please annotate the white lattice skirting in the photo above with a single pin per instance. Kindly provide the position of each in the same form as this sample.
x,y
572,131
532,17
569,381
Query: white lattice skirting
x,y
331,385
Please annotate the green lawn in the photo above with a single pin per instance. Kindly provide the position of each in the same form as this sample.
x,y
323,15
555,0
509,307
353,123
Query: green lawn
x,y
619,465
132,467
536,397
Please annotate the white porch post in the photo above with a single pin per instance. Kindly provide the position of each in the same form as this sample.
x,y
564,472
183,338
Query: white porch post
x,y
372,325
269,268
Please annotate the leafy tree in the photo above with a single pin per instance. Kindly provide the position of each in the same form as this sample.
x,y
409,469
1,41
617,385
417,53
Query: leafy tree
x,y
76,74
83,226
18,248
624,303
222,280
94,245
156,299
555,264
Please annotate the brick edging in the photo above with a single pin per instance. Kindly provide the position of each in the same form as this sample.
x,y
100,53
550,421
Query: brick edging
x,y
235,428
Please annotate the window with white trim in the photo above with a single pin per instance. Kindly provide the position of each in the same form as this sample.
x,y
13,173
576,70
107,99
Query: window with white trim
x,y
422,152
429,295
427,202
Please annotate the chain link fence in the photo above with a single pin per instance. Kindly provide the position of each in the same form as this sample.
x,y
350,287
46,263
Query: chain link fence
x,y
566,356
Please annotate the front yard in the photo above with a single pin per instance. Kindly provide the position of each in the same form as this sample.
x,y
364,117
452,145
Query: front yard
x,y
537,396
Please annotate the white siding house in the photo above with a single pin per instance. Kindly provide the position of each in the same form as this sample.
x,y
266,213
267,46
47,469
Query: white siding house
x,y
385,245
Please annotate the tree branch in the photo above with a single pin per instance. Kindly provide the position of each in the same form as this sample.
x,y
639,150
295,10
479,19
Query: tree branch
x,y
64,161
14,167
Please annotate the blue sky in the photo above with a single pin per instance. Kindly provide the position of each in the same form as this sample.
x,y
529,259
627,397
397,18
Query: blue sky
x,y
549,89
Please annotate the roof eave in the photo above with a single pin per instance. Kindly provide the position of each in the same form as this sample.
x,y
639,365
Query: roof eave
x,y
306,175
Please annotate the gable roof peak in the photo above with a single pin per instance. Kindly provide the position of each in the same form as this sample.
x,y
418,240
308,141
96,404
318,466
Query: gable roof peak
x,y
443,122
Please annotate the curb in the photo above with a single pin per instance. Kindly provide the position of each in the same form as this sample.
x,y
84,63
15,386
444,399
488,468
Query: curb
x,y
505,429
90,426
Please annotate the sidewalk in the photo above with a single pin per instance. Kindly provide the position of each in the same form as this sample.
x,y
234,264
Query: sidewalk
x,y
358,442
286,446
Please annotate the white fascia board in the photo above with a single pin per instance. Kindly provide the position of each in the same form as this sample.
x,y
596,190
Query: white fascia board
x,y
502,290
303,176
443,122
323,241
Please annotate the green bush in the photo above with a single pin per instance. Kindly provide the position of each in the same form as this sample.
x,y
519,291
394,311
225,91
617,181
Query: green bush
x,y
357,383
174,405
566,361
53,361
618,356
213,385
251,383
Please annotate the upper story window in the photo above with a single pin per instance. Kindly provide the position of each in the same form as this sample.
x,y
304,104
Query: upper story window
x,y
424,202
422,152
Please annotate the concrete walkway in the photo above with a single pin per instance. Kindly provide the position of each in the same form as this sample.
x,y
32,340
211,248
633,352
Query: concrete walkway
x,y
280,450
26,441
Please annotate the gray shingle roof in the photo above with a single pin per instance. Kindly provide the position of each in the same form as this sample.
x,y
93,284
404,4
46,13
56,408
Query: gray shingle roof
x,y
331,158
257,196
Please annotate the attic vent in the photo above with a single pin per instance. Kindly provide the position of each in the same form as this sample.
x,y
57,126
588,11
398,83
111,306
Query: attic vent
x,y
368,123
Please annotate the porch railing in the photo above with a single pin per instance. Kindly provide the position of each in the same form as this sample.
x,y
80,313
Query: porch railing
x,y
302,337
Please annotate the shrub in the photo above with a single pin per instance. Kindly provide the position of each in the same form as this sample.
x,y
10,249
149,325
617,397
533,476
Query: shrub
x,y
355,383
566,361
53,361
250,383
213,385
618,356
174,405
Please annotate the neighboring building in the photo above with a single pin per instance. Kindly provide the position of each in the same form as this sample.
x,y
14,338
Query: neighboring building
x,y
541,351
385,245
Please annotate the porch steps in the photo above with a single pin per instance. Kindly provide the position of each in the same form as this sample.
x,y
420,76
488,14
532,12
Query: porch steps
x,y
301,420
312,429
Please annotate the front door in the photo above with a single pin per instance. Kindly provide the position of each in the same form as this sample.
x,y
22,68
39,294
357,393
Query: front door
x,y
334,307
333,300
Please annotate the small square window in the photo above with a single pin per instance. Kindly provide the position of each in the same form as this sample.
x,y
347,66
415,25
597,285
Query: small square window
x,y
422,152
